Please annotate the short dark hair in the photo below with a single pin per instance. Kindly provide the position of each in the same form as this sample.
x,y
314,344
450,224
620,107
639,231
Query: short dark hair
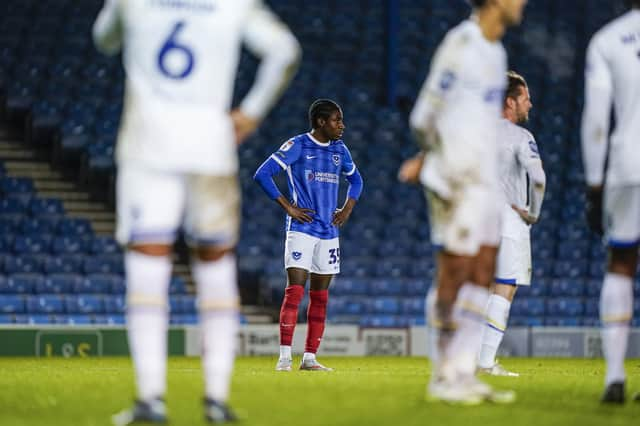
x,y
514,82
321,108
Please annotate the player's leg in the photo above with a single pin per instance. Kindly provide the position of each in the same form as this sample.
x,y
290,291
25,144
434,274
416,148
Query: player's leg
x,y
513,268
149,211
622,207
316,318
293,294
298,256
212,223
497,315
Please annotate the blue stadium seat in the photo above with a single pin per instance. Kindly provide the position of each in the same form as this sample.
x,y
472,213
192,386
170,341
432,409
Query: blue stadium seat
x,y
92,286
104,245
566,287
188,319
32,244
350,286
387,321
533,306
54,283
562,321
591,307
39,319
384,305
177,285
65,264
74,227
106,283
38,226
85,304
413,306
109,320
416,287
74,319
114,304
6,319
26,263
69,245
14,304
565,306
46,304
46,207
386,287
16,285
105,264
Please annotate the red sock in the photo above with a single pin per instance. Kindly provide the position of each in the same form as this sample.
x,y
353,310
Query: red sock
x,y
316,316
289,313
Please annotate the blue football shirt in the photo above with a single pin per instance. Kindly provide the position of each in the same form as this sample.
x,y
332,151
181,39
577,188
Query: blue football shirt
x,y
313,176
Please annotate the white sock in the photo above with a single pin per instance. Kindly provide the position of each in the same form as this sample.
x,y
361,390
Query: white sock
x,y
147,320
616,310
497,314
469,316
285,352
218,303
432,325
308,356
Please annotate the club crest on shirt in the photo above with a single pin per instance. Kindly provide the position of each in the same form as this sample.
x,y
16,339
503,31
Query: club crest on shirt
x,y
286,146
336,159
310,175
296,255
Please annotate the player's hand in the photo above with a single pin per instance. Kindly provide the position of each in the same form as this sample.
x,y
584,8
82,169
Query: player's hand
x,y
594,209
410,170
524,214
243,125
340,216
300,214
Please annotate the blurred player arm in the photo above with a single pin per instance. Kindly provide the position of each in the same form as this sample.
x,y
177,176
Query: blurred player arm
x,y
107,30
596,120
529,158
268,38
264,177
596,115
442,79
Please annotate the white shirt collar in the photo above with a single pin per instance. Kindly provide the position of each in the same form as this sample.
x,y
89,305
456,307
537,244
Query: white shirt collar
x,y
316,141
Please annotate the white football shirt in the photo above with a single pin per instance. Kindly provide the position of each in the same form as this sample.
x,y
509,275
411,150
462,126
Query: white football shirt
x,y
460,102
180,58
612,76
519,161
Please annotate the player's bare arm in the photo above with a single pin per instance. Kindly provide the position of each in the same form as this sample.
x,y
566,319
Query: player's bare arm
x,y
297,213
341,215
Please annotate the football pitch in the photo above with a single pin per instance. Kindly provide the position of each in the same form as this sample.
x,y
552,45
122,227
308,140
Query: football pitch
x,y
361,391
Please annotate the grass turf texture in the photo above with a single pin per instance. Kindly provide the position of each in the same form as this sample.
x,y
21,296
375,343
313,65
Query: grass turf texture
x,y
362,391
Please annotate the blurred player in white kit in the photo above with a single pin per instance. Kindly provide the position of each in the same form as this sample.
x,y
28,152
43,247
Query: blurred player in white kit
x,y
612,78
455,120
178,166
522,180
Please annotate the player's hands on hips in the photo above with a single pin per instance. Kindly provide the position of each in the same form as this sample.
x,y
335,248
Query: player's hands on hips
x,y
410,170
524,214
300,214
243,125
594,209
340,216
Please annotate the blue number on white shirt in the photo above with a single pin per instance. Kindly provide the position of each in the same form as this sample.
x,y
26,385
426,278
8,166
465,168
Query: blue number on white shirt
x,y
172,45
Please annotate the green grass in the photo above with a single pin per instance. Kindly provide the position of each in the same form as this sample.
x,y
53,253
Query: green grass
x,y
362,391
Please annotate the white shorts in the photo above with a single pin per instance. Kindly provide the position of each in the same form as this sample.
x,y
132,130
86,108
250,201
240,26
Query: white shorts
x,y
470,219
622,215
513,263
153,205
311,253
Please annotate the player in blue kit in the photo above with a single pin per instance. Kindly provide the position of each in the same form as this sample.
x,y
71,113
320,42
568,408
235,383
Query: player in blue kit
x,y
314,162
